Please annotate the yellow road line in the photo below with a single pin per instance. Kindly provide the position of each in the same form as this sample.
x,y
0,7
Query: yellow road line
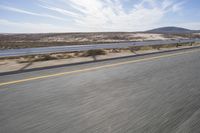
x,y
94,68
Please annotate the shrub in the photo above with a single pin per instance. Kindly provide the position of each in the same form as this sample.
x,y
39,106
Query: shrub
x,y
94,52
37,58
134,49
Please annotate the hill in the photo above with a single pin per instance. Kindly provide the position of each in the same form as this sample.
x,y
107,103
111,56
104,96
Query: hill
x,y
172,30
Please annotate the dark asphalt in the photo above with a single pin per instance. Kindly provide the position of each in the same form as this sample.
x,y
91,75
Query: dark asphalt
x,y
155,96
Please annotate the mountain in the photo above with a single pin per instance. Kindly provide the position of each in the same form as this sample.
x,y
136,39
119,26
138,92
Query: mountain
x,y
172,30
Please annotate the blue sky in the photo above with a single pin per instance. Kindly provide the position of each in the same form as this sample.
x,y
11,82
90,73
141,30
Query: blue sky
x,y
40,16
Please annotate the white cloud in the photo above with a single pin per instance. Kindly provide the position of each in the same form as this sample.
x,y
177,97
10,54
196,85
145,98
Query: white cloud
x,y
29,13
22,27
61,11
103,15
108,15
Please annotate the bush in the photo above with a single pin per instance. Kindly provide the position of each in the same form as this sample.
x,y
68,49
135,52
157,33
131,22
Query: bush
x,y
134,49
115,50
44,58
36,58
94,52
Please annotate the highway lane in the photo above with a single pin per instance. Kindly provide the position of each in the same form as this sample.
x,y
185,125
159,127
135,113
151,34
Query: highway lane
x,y
37,72
160,95
73,48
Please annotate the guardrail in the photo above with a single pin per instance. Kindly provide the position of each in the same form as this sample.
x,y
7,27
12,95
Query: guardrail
x,y
74,48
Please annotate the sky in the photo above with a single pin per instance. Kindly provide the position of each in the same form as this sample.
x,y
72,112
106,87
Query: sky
x,y
43,16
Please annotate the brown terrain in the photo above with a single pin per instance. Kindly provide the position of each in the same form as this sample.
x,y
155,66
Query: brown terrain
x,y
16,41
13,41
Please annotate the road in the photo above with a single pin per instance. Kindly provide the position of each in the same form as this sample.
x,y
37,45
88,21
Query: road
x,y
149,94
74,48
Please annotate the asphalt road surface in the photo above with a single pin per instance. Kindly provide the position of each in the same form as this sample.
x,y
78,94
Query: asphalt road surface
x,y
56,49
151,94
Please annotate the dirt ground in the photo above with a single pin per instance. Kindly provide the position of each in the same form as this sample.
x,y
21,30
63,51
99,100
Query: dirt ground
x,y
14,41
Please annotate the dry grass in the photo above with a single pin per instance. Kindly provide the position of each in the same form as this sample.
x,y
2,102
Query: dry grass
x,y
47,57
36,58
142,48
14,41
92,53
